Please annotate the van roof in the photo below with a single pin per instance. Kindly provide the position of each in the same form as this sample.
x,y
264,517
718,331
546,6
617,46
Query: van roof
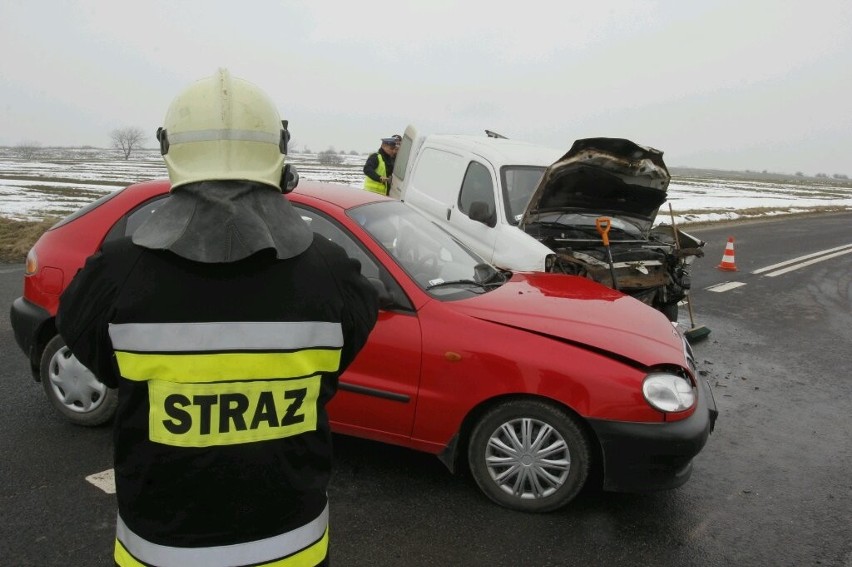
x,y
500,151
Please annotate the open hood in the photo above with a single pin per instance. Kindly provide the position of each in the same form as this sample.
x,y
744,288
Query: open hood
x,y
603,176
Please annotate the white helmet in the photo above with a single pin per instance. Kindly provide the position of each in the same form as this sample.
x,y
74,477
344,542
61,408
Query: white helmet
x,y
223,127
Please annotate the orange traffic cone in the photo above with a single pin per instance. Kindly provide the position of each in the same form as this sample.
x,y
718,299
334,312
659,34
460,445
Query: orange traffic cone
x,y
728,263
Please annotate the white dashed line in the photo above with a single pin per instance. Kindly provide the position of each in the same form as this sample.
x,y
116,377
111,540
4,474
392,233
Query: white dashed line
x,y
726,286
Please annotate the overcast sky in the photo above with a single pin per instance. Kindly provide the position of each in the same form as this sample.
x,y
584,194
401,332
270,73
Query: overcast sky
x,y
726,84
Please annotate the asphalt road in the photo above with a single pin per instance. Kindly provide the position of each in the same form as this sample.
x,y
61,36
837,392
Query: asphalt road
x,y
773,486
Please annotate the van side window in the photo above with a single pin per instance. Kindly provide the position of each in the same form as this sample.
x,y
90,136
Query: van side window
x,y
477,186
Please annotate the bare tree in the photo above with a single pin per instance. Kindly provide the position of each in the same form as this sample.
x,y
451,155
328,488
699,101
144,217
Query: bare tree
x,y
127,139
27,149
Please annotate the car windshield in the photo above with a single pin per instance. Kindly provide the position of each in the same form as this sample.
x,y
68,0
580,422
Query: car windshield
x,y
518,183
436,261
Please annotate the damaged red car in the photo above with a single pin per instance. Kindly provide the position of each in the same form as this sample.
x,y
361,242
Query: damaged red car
x,y
528,380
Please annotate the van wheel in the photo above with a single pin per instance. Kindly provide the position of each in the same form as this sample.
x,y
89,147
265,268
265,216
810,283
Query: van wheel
x,y
73,389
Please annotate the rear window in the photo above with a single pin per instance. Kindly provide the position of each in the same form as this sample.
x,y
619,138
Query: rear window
x,y
90,207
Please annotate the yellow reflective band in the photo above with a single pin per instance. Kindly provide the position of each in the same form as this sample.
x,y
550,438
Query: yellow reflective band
x,y
205,415
308,557
123,558
306,546
199,368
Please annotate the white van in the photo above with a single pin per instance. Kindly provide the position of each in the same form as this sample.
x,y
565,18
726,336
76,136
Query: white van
x,y
524,207
478,188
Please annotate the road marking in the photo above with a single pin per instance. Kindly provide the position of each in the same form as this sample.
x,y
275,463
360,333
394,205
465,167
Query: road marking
x,y
823,254
725,286
105,480
808,263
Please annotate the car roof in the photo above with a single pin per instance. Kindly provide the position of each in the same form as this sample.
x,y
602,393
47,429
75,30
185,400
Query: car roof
x,y
342,196
500,151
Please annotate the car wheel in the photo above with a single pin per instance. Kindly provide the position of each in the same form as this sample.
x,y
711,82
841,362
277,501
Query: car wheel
x,y
73,389
529,455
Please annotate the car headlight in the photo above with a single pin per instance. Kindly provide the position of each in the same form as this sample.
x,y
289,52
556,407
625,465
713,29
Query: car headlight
x,y
668,392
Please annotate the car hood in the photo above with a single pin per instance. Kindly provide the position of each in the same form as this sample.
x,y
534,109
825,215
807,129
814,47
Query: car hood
x,y
603,176
583,312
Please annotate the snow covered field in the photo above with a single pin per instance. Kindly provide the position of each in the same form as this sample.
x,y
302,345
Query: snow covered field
x,y
59,181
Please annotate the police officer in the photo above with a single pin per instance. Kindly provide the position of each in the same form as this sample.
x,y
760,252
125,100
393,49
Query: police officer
x,y
225,324
379,166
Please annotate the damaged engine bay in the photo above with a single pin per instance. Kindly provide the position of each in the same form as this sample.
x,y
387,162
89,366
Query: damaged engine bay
x,y
625,184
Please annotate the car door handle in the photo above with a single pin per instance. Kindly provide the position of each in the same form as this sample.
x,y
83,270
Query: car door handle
x,y
449,211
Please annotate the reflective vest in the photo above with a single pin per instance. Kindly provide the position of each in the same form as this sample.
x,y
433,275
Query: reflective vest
x,y
377,186
222,441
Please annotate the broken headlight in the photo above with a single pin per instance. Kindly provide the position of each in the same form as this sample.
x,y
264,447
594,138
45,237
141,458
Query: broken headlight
x,y
668,393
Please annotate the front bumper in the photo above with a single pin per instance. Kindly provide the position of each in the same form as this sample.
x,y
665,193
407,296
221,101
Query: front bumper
x,y
646,457
28,320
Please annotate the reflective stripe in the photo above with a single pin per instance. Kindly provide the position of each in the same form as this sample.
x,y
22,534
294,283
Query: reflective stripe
x,y
200,368
304,546
219,336
374,186
224,134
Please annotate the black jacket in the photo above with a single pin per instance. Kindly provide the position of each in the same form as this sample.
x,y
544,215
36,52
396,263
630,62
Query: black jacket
x,y
223,371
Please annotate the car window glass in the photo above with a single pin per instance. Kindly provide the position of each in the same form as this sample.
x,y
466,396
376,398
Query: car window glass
x,y
519,182
370,267
84,210
427,253
326,228
477,187
128,223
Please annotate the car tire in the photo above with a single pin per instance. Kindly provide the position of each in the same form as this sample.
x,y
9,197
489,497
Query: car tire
x,y
529,455
72,388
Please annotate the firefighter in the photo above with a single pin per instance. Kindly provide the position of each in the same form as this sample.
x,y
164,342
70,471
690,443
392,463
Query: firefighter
x,y
225,324
379,166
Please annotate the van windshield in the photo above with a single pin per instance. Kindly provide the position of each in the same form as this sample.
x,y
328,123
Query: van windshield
x,y
518,183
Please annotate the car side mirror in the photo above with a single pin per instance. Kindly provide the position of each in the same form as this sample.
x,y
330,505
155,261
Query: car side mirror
x,y
481,212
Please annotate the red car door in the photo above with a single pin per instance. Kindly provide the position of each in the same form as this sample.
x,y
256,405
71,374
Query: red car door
x,y
377,396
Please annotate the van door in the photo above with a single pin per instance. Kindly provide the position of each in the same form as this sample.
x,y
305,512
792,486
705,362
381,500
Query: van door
x,y
432,184
406,150
475,219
